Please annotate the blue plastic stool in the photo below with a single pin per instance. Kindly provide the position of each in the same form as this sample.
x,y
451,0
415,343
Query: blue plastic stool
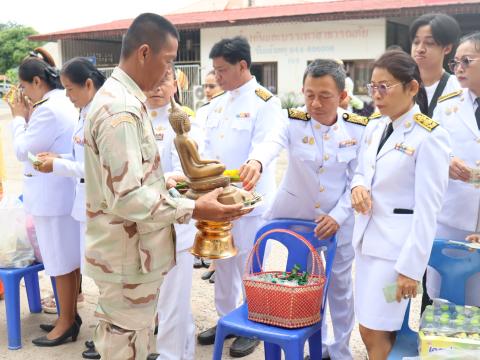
x,y
11,280
275,339
456,265
406,341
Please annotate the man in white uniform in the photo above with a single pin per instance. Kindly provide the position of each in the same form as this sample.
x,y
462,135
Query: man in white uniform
x,y
236,123
322,146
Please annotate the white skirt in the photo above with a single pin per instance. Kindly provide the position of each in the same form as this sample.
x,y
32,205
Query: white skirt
x,y
372,274
59,243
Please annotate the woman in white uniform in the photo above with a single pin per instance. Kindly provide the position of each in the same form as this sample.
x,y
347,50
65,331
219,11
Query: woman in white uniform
x,y
48,126
433,38
176,327
81,81
397,191
459,114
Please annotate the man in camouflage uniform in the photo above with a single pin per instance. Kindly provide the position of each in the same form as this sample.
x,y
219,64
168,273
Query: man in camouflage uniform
x,y
130,240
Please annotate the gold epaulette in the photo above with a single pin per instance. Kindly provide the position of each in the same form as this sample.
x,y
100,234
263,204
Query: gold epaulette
x,y
375,115
449,96
263,94
355,119
425,122
298,114
217,95
38,103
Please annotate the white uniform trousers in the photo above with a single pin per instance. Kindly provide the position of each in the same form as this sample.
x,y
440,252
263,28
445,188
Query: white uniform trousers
x,y
341,306
59,242
372,274
434,279
229,272
176,327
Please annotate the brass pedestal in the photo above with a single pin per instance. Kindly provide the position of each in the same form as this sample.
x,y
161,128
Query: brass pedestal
x,y
214,240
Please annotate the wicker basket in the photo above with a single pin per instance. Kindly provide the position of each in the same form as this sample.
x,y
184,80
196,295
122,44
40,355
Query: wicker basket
x,y
284,305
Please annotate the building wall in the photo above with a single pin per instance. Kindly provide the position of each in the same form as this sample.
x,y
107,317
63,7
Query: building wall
x,y
292,45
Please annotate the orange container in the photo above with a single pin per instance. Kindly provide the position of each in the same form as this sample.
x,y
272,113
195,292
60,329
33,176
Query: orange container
x,y
283,305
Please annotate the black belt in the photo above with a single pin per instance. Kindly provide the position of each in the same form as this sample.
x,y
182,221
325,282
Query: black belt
x,y
82,181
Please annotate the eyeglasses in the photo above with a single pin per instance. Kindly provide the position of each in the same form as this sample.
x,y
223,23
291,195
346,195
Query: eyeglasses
x,y
381,88
209,86
464,61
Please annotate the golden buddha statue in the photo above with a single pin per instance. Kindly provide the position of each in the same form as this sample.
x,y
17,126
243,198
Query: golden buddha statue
x,y
203,175
213,239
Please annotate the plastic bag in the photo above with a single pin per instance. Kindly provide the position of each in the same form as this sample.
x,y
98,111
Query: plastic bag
x,y
32,237
15,248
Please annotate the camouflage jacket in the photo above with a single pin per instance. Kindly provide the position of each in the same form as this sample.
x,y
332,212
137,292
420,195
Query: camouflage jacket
x,y
130,236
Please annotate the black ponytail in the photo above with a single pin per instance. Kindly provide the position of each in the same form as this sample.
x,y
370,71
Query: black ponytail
x,y
40,63
78,70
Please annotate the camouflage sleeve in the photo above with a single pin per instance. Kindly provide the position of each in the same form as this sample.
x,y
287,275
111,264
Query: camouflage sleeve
x,y
132,179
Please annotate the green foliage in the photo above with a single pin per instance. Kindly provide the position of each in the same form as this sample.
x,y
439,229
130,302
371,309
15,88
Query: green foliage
x,y
12,75
291,100
14,45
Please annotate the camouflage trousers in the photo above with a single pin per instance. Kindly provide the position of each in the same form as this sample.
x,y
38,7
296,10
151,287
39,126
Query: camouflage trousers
x,y
126,320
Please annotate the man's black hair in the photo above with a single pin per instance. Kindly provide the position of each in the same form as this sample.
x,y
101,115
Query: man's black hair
x,y
150,29
232,50
321,67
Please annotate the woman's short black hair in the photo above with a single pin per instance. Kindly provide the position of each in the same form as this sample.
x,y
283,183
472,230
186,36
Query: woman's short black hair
x,y
403,68
78,70
232,50
41,64
445,29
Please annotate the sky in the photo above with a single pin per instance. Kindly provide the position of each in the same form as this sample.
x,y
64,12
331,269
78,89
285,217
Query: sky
x,y
56,15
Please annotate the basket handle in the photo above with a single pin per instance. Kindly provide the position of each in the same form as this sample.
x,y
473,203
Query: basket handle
x,y
316,259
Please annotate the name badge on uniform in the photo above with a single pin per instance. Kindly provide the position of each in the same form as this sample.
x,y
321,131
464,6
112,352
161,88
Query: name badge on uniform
x,y
158,132
243,115
405,148
218,110
78,140
347,143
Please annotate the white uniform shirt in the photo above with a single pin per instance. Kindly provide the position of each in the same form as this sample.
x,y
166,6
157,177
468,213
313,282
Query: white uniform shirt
x,y
237,122
321,162
72,165
409,174
50,128
462,200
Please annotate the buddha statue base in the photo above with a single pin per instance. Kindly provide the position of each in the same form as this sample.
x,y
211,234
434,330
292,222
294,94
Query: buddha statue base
x,y
230,195
214,240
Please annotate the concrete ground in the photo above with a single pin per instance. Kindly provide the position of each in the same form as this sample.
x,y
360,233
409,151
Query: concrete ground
x,y
202,291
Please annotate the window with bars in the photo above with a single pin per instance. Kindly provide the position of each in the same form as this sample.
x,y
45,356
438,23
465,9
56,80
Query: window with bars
x,y
266,75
